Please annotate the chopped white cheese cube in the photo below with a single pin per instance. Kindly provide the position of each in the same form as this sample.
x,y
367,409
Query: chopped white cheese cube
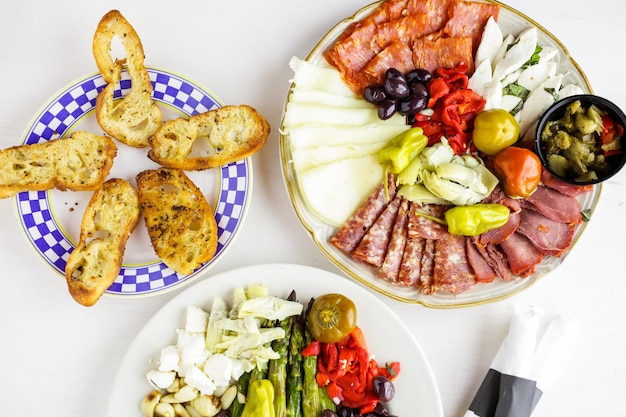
x,y
160,379
198,379
196,319
191,346
169,359
219,368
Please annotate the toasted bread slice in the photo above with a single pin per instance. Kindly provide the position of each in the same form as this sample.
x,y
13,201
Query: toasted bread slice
x,y
80,162
110,218
234,133
180,221
135,117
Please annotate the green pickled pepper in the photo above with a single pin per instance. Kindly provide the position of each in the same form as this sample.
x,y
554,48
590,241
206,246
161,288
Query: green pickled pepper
x,y
260,399
399,151
476,219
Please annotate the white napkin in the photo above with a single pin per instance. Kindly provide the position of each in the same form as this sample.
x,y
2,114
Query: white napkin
x,y
522,369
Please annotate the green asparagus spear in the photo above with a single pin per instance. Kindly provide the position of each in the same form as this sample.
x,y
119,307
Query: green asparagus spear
x,y
311,405
236,408
277,373
294,377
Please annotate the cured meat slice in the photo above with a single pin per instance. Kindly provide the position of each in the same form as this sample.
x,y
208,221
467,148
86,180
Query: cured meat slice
x,y
495,258
468,18
522,255
432,52
421,226
351,233
563,187
554,205
427,266
452,271
498,196
550,237
437,9
482,271
397,55
496,236
411,266
373,246
390,268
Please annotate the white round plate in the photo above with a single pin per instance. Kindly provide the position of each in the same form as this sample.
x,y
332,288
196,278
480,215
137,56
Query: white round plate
x,y
51,219
510,21
387,337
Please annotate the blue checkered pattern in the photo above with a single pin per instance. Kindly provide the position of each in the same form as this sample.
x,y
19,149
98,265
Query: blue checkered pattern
x,y
60,115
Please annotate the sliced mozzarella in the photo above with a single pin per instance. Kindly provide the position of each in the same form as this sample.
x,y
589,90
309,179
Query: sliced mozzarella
x,y
334,191
538,101
509,102
506,42
536,74
309,75
306,159
312,136
548,53
569,90
482,76
492,93
309,95
490,41
520,51
299,114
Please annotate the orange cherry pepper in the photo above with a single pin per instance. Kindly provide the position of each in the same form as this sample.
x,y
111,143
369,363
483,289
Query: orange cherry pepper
x,y
519,171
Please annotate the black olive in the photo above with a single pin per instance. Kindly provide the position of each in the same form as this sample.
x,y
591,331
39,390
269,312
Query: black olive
x,y
386,109
418,75
329,413
411,105
374,94
384,388
418,89
395,84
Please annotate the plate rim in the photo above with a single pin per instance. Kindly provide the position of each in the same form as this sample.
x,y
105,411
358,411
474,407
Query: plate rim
x,y
181,280
300,209
275,272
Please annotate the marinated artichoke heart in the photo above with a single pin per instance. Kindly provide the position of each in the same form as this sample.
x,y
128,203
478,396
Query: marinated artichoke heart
x,y
572,143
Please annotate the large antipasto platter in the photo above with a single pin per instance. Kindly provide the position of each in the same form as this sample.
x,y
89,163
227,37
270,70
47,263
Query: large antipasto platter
x,y
327,182
416,390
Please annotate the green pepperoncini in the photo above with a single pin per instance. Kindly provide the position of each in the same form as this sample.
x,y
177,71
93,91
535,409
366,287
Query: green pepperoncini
x,y
399,151
476,219
260,399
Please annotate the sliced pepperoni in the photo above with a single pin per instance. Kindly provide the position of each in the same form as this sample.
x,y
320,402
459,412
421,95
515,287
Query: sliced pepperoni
x,y
468,18
373,246
432,52
352,231
397,55
390,268
452,271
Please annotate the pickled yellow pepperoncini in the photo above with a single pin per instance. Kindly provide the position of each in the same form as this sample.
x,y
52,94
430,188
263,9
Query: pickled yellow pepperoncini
x,y
476,219
494,130
399,151
260,399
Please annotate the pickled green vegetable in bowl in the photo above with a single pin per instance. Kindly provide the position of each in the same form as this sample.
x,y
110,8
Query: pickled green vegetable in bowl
x,y
580,139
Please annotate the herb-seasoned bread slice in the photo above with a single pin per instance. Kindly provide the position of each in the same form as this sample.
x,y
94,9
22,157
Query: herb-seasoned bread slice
x,y
109,220
80,162
180,221
234,133
135,117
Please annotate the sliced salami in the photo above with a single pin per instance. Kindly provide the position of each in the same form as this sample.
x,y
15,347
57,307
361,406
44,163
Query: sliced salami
x,y
411,266
373,246
351,233
427,266
390,268
420,225
452,271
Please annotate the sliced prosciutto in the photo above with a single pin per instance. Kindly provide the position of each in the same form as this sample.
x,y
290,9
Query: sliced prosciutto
x,y
373,246
522,255
502,233
452,271
351,233
495,258
390,268
550,237
563,187
554,205
482,270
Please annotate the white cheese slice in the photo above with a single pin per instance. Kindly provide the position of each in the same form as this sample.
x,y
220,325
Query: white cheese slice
x,y
298,114
307,74
169,359
196,319
309,95
305,159
334,191
520,51
490,41
312,136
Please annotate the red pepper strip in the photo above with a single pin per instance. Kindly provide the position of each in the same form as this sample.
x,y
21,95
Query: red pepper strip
x,y
391,370
312,350
437,88
460,107
334,391
609,130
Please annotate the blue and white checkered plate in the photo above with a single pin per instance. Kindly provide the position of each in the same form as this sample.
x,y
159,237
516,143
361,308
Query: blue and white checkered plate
x,y
51,219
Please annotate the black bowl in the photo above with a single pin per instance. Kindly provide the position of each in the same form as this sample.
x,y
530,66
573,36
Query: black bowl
x,y
556,112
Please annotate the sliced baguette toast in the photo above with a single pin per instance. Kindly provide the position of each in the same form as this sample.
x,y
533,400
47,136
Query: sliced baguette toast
x,y
234,133
109,220
135,117
80,162
179,220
